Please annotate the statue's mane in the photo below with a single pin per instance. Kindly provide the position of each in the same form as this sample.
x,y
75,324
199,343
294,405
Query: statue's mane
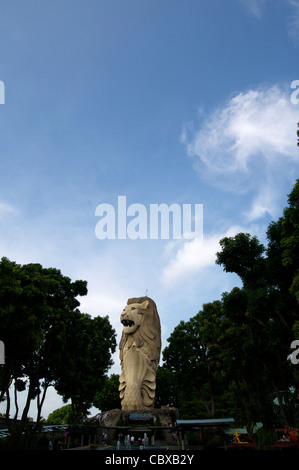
x,y
149,332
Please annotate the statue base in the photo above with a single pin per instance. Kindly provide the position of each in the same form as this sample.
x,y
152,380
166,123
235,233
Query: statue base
x,y
157,423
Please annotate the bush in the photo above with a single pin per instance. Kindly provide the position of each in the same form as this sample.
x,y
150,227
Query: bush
x,y
265,437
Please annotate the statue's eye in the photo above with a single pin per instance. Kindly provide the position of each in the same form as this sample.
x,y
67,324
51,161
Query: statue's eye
x,y
133,308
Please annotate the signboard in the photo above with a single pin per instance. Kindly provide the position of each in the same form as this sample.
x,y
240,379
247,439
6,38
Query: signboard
x,y
140,417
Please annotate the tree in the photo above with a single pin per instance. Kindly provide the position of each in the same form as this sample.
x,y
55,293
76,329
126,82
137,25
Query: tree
x,y
290,238
62,415
243,349
191,356
242,255
86,361
18,329
167,391
241,344
48,341
53,300
107,397
36,306
268,309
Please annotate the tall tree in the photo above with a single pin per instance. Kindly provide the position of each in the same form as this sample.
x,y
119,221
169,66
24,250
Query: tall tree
x,y
86,360
54,299
107,396
48,341
167,391
36,309
241,344
191,355
14,322
270,310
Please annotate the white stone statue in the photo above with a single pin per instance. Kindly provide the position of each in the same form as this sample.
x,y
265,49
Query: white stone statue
x,y
140,348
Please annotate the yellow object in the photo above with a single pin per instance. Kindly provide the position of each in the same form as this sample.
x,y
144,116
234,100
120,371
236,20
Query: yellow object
x,y
236,437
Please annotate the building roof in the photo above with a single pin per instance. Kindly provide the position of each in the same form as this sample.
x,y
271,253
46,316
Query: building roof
x,y
203,422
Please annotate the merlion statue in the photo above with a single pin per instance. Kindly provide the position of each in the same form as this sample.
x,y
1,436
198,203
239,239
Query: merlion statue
x,y
140,348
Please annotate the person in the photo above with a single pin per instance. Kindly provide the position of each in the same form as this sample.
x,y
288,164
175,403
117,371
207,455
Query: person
x,y
104,438
132,440
59,445
50,445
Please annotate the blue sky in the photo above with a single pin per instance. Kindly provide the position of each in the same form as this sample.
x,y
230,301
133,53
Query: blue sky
x,y
173,101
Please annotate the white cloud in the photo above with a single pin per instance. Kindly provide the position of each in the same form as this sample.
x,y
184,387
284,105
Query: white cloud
x,y
262,204
6,209
249,146
255,7
294,21
193,256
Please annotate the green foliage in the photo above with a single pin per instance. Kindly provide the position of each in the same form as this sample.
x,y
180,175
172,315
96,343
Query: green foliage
x,y
48,341
265,437
86,361
241,254
241,344
107,397
63,415
167,387
159,433
193,355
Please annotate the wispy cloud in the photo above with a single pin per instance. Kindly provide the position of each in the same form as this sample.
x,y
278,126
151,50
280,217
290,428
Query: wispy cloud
x,y
6,209
249,146
294,21
255,7
191,257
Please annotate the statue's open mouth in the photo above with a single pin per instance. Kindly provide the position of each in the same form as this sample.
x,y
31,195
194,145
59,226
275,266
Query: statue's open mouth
x,y
128,322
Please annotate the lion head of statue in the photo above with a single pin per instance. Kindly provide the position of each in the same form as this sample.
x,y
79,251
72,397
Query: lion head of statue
x,y
141,324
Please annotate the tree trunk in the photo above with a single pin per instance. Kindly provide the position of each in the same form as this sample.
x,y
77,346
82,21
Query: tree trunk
x,y
209,410
16,400
40,403
30,395
7,406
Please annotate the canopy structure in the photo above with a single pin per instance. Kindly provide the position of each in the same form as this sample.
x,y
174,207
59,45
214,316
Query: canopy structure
x,y
183,425
199,423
